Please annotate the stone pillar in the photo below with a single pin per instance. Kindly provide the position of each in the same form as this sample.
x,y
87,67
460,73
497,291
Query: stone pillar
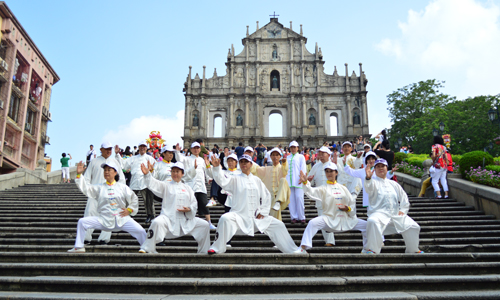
x,y
292,76
204,117
301,49
320,121
257,50
302,74
231,115
246,48
203,81
246,75
349,117
291,48
259,128
247,115
293,121
187,117
304,113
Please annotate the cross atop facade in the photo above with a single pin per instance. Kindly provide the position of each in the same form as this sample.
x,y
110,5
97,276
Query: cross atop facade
x,y
274,15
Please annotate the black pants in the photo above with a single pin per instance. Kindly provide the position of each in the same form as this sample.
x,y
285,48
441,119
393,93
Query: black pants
x,y
147,196
202,200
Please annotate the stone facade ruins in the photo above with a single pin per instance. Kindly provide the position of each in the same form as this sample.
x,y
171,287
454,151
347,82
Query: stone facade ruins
x,y
275,73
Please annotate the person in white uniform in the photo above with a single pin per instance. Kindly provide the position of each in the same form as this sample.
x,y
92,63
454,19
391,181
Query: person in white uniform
x,y
94,174
317,177
353,184
369,160
116,202
388,213
232,162
137,182
178,212
196,180
296,164
249,211
163,168
339,208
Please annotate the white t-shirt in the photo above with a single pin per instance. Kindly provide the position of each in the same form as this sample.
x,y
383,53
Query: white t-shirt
x,y
92,154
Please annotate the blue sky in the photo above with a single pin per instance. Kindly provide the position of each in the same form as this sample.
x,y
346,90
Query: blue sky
x,y
123,63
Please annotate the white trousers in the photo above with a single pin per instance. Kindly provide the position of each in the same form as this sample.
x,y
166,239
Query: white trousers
x,y
319,223
65,172
328,236
439,175
91,211
131,227
296,205
159,231
375,230
227,228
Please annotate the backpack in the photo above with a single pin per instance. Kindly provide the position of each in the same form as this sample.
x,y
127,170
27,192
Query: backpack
x,y
261,155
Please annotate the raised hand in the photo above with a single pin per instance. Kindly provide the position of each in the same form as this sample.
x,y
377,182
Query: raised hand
x,y
195,164
144,169
215,161
369,172
334,158
207,162
303,177
310,178
80,168
283,160
151,166
117,149
178,147
184,209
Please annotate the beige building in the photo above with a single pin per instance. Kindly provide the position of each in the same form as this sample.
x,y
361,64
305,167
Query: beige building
x,y
275,74
26,80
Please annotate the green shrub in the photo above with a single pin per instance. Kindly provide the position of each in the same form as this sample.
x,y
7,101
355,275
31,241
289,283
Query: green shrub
x,y
497,160
399,157
474,159
417,161
495,168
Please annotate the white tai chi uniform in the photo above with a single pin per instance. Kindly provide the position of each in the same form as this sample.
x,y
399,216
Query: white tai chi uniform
x,y
162,171
351,183
137,182
248,191
333,219
172,223
318,171
387,199
94,174
296,163
111,198
227,173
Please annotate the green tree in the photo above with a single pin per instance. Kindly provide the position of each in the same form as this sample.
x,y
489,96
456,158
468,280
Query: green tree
x,y
412,110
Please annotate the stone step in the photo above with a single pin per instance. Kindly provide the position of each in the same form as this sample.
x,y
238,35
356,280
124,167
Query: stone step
x,y
176,270
253,285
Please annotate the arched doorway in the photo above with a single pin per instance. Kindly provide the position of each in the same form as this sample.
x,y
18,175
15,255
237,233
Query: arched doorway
x,y
275,124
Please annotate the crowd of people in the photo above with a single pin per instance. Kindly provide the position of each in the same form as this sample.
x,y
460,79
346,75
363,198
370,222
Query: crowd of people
x,y
253,184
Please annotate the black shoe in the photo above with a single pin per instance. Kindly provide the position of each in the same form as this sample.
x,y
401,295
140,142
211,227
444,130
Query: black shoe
x,y
86,242
161,244
149,218
103,243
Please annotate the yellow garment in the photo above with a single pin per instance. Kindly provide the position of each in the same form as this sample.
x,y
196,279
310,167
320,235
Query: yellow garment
x,y
427,183
273,178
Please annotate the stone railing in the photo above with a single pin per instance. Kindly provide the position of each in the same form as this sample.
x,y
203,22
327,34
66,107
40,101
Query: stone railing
x,y
38,176
482,197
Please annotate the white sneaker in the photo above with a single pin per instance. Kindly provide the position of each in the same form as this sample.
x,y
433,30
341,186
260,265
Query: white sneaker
x,y
277,206
211,203
76,250
228,246
212,226
300,251
142,251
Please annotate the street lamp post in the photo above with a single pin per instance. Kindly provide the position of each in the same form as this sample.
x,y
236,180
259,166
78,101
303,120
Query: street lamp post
x,y
494,116
440,131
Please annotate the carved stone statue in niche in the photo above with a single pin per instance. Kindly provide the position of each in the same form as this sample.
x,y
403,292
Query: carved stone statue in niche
x,y
239,80
356,100
239,120
275,52
296,49
309,77
356,119
263,79
312,119
252,50
251,78
275,82
297,76
196,120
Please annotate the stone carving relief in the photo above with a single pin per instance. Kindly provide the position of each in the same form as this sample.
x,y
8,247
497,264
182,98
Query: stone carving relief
x,y
312,119
239,120
296,49
328,80
263,80
275,56
251,50
265,54
296,73
357,101
285,77
239,78
251,78
273,31
309,77
356,119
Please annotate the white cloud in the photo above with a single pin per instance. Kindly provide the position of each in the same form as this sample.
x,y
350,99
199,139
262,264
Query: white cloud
x,y
139,129
453,40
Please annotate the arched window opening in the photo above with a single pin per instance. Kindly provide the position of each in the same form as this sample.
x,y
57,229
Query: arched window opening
x,y
275,80
334,126
275,124
217,126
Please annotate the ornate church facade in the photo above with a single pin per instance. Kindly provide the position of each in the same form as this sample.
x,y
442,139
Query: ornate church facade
x,y
275,73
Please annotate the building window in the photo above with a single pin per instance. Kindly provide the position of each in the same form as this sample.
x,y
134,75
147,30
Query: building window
x,y
35,93
20,78
30,122
15,102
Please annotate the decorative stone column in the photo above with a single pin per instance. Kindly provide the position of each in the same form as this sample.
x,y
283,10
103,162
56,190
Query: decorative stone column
x,y
247,115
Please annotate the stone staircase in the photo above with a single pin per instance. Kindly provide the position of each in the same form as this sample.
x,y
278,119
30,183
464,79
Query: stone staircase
x,y
38,225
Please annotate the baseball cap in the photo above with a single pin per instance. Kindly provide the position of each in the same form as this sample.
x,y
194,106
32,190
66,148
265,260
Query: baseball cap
x,y
248,148
369,153
247,157
142,143
167,148
178,165
110,164
325,149
330,166
106,145
293,143
195,144
381,161
349,143
233,156
367,145
276,150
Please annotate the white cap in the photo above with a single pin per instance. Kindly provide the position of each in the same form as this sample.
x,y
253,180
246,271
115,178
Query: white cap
x,y
247,157
381,161
369,153
331,166
233,156
275,150
167,148
110,164
106,145
293,143
178,165
350,144
195,144
248,148
325,149
367,145
142,143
